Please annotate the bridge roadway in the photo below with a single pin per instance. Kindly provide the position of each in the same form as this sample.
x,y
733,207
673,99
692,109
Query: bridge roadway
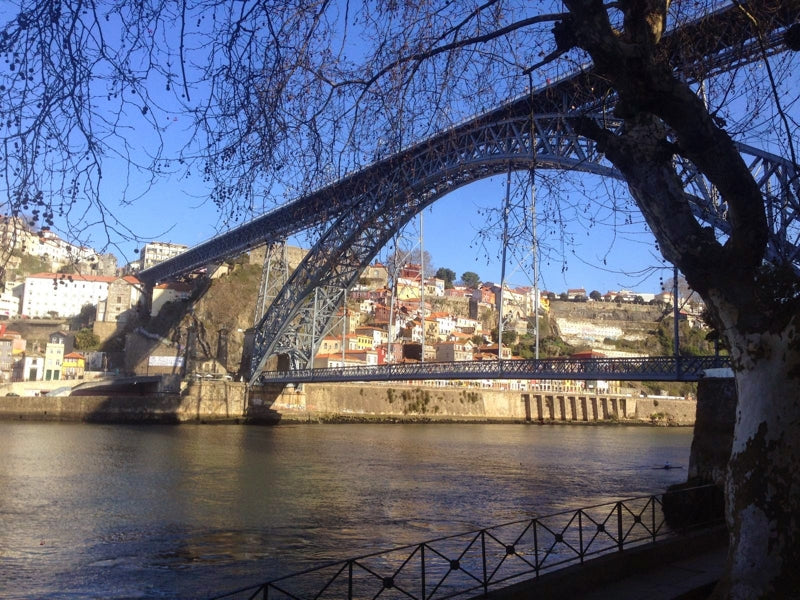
x,y
653,368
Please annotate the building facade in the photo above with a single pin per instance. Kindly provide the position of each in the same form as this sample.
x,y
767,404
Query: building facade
x,y
153,253
61,295
53,359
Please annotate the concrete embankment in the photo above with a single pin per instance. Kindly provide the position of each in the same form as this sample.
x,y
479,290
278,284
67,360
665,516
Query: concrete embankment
x,y
223,401
377,402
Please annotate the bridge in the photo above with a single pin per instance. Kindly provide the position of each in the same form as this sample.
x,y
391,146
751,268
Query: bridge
x,y
653,368
359,213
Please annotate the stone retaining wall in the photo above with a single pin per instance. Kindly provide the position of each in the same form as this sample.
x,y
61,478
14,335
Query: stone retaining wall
x,y
206,402
326,402
225,401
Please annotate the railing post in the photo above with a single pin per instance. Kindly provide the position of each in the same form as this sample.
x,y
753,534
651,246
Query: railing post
x,y
536,548
619,526
483,557
580,534
422,569
653,513
349,580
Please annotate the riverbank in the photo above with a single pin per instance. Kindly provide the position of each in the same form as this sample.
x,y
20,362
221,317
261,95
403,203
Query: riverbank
x,y
232,402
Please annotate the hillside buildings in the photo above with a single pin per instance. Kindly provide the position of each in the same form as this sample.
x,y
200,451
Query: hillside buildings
x,y
18,239
153,253
54,295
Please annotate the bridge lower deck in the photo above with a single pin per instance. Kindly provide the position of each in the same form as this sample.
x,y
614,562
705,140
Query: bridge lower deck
x,y
656,368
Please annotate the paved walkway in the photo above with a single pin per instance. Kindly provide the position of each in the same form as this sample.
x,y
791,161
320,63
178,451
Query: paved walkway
x,y
686,579
680,568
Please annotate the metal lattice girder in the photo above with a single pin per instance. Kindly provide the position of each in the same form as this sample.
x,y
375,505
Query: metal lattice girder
x,y
274,275
720,41
294,325
654,368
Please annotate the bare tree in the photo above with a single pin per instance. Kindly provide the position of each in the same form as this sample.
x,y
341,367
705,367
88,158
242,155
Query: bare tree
x,y
265,99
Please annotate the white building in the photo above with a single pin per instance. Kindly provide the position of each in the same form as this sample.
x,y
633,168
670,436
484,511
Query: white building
x,y
9,300
467,325
446,323
53,359
169,292
60,295
56,251
588,330
153,253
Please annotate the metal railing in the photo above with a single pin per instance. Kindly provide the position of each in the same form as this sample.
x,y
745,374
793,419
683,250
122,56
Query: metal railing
x,y
473,563
653,368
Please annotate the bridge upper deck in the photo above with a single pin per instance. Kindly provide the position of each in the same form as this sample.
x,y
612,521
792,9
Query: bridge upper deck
x,y
718,41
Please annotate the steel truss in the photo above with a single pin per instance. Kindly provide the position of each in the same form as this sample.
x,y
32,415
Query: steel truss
x,y
381,199
654,368
295,323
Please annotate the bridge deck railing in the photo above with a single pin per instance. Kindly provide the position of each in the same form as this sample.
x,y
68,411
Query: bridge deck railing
x,y
654,368
475,562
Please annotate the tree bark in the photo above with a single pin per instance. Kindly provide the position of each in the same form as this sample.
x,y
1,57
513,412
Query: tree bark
x,y
763,488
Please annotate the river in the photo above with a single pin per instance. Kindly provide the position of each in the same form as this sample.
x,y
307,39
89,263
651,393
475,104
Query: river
x,y
111,511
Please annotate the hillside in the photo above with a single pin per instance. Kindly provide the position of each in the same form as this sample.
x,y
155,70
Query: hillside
x,y
223,310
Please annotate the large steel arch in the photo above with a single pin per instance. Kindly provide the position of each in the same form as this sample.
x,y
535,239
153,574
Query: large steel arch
x,y
303,311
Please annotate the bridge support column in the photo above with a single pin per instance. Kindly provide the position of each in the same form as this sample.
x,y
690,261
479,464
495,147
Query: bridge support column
x,y
558,408
572,409
526,403
583,411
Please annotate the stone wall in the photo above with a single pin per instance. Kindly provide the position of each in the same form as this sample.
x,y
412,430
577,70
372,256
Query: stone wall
x,y
319,402
224,401
201,402
666,411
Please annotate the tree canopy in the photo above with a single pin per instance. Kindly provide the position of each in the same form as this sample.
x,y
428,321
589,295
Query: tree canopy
x,y
470,279
448,275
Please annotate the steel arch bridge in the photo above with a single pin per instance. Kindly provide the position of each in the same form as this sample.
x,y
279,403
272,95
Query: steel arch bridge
x,y
362,211
303,311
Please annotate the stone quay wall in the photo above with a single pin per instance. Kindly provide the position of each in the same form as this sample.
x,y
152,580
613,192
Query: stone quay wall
x,y
226,401
387,402
211,402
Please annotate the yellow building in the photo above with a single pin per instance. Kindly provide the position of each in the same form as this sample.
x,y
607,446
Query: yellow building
x,y
73,366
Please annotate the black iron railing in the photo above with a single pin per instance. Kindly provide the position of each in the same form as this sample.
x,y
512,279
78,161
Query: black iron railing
x,y
647,368
473,563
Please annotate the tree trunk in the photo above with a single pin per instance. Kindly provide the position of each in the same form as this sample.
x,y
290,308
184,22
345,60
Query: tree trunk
x,y
756,307
763,487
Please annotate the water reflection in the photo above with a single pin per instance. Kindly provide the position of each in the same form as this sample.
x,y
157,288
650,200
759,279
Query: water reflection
x,y
164,511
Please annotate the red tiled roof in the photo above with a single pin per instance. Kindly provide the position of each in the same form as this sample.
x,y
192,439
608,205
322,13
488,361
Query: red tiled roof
x,y
73,276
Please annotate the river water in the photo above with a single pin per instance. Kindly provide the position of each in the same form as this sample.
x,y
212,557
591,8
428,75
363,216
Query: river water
x,y
96,511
